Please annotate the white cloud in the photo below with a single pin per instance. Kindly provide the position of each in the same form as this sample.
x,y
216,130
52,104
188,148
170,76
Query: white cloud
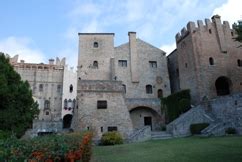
x,y
22,47
168,48
230,11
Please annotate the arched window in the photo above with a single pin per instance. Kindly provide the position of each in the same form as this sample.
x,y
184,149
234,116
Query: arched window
x,y
71,88
160,93
211,61
47,104
95,64
149,89
95,45
124,88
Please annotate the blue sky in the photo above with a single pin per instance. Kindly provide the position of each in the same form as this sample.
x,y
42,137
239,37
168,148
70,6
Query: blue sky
x,y
41,29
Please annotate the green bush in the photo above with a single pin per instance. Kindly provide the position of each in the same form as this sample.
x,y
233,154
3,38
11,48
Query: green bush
x,y
197,128
4,134
176,104
230,130
51,146
111,138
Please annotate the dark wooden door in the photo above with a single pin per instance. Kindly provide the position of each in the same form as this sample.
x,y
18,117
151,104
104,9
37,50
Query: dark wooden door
x,y
148,121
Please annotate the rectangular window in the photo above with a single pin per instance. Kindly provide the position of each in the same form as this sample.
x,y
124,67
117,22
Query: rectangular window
x,y
153,64
59,88
41,88
110,129
122,63
102,104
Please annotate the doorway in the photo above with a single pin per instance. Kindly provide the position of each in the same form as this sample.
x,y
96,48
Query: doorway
x,y
222,85
148,121
67,121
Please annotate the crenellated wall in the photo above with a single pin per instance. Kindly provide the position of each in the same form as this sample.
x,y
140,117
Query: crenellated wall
x,y
206,52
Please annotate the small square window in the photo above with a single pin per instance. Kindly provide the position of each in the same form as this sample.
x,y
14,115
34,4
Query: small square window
x,y
153,64
122,63
95,44
110,129
102,104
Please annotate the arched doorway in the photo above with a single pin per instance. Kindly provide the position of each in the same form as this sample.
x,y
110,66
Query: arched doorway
x,y
143,116
67,121
222,85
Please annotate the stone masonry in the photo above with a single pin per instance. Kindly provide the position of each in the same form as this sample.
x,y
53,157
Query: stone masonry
x,y
207,60
128,80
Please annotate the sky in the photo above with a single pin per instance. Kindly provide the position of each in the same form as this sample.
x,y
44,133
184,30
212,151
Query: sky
x,y
38,30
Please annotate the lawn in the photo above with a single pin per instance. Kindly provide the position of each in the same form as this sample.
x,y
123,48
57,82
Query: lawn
x,y
214,149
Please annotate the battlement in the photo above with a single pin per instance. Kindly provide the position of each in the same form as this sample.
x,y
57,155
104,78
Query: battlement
x,y
193,27
52,65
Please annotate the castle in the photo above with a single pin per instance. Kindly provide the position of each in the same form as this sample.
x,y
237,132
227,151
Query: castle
x,y
119,88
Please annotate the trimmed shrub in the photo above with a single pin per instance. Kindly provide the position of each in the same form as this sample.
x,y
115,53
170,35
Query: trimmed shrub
x,y
230,130
111,138
197,128
176,104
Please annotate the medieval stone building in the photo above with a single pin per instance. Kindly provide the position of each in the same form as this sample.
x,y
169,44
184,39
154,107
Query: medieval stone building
x,y
119,87
207,60
54,88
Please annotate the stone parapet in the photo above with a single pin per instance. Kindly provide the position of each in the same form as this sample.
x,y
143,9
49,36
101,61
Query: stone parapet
x,y
99,86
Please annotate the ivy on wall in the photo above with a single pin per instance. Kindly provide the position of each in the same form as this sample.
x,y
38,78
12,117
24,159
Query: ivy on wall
x,y
176,104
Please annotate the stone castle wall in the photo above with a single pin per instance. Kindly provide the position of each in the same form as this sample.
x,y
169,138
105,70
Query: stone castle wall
x,y
196,45
46,82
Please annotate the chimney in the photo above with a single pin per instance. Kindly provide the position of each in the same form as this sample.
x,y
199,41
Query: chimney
x,y
51,61
134,60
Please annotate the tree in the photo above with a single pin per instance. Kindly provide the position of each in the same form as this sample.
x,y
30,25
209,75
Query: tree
x,y
238,29
17,107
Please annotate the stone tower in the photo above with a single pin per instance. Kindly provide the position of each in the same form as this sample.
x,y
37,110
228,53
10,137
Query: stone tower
x,y
207,60
100,98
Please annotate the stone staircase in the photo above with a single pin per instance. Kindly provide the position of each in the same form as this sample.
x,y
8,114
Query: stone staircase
x,y
157,135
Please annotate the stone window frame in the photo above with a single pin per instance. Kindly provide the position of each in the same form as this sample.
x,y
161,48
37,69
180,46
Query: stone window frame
x,y
122,63
153,64
102,104
149,89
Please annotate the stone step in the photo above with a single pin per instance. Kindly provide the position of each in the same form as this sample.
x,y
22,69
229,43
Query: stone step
x,y
160,135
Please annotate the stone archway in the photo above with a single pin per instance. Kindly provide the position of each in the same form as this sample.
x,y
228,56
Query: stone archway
x,y
142,116
67,121
223,86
